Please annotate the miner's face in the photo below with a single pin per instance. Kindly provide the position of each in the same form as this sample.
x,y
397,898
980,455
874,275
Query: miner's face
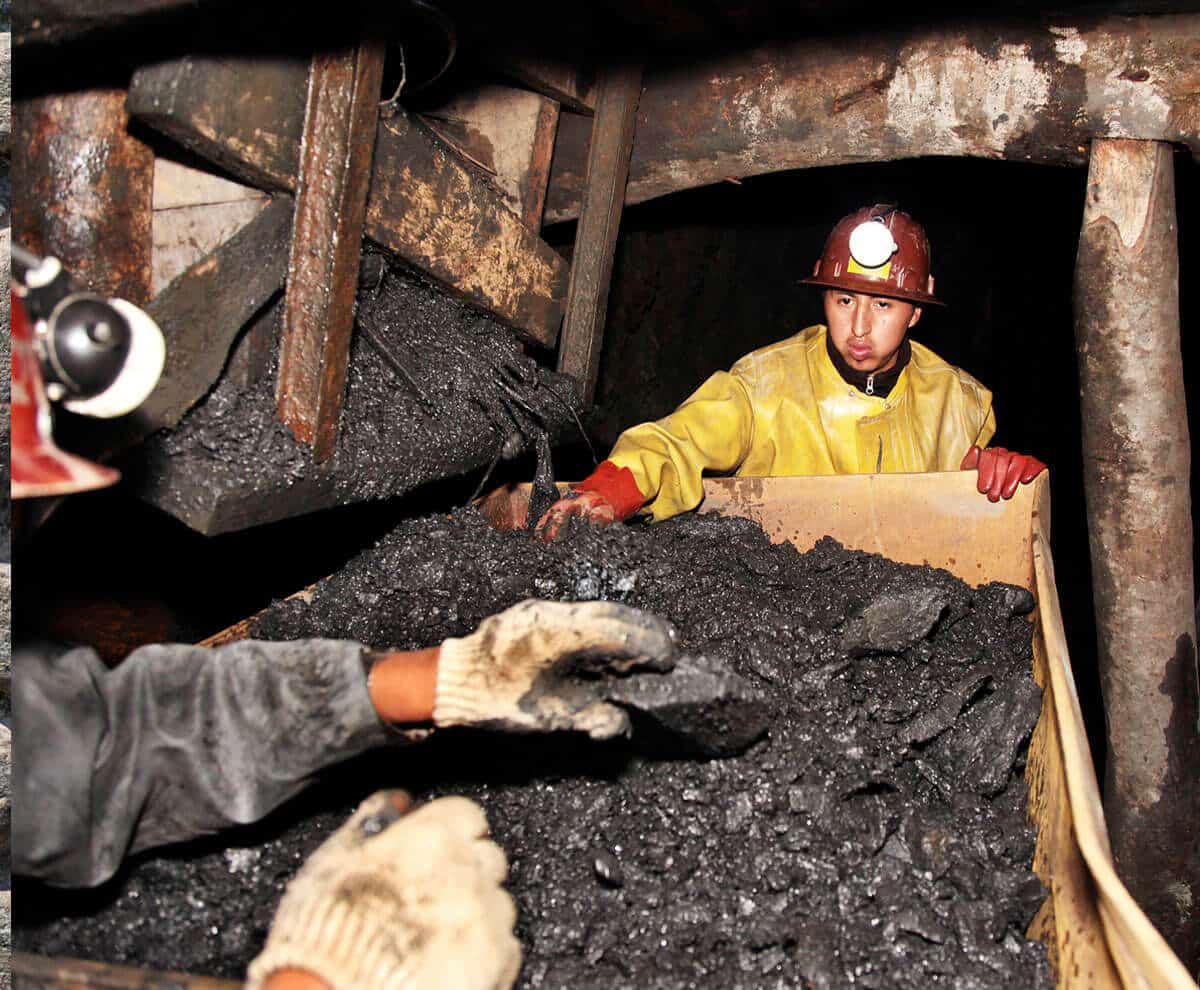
x,y
867,331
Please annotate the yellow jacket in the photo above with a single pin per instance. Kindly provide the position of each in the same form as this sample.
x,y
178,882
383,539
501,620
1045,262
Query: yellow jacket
x,y
785,410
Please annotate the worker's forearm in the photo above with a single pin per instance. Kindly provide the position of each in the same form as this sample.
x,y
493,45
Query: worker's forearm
x,y
667,459
176,742
403,684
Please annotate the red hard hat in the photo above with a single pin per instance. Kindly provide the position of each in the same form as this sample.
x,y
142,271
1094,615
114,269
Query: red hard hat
x,y
879,251
38,466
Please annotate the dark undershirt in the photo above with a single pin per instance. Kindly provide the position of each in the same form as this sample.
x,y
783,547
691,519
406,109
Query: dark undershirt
x,y
884,382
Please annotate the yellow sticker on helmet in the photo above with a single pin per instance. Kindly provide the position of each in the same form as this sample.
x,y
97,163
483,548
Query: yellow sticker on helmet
x,y
882,272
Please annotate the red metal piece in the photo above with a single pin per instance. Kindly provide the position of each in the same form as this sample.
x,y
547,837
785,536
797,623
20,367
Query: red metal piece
x,y
39,468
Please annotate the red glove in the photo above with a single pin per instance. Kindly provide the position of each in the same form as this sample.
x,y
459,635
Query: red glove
x,y
609,494
1001,470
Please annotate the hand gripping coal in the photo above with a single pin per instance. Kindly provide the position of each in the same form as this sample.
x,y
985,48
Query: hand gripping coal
x,y
543,666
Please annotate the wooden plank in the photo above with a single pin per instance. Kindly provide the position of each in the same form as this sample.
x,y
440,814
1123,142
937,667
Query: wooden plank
x,y
331,196
32,972
178,185
426,207
510,134
1136,469
244,114
185,234
617,92
563,82
254,352
201,314
1037,90
82,188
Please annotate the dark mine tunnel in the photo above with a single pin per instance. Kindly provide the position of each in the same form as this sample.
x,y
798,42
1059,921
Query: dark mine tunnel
x,y
385,318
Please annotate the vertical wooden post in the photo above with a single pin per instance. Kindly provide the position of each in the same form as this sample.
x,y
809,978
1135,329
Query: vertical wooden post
x,y
617,91
83,190
1136,476
331,201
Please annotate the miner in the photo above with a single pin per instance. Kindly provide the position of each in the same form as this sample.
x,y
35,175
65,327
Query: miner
x,y
180,741
852,396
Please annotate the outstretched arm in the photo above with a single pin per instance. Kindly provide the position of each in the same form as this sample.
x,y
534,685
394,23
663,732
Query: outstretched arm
x,y
181,741
660,466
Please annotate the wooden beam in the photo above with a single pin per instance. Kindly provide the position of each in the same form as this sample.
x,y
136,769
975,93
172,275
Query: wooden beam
x,y
33,972
427,208
177,186
331,195
195,212
246,115
254,351
618,89
82,190
243,114
201,313
1136,477
1024,91
563,82
509,134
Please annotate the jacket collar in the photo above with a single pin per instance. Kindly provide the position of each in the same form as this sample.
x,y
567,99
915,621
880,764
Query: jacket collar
x,y
883,382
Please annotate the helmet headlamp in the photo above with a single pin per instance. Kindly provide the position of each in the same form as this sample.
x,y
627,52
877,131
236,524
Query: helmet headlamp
x,y
872,244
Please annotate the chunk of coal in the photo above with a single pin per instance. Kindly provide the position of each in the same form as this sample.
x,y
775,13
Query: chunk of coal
x,y
993,736
938,719
895,621
700,707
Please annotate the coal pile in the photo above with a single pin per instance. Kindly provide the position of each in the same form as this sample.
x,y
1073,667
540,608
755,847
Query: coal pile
x,y
434,390
876,836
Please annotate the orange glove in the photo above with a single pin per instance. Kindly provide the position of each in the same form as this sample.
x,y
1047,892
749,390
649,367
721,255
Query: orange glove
x,y
1001,470
609,494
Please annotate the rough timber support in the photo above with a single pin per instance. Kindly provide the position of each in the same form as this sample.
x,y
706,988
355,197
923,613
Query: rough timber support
x,y
1029,90
423,205
83,190
429,209
1136,470
617,92
201,314
508,132
331,198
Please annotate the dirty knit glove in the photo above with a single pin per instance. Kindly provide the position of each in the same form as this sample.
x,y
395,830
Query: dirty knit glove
x,y
540,666
1001,470
609,494
399,902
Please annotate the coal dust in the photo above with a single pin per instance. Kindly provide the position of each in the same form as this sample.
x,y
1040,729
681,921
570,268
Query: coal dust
x,y
874,836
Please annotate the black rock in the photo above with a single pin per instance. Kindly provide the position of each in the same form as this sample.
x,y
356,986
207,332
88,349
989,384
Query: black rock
x,y
895,621
700,707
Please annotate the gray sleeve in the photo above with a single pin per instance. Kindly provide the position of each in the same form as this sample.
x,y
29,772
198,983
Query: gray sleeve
x,y
176,742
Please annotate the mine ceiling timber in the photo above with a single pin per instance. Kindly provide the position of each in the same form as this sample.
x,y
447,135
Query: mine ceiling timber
x,y
424,204
1038,92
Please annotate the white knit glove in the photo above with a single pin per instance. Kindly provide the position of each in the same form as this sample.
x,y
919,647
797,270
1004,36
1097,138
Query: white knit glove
x,y
399,902
541,666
